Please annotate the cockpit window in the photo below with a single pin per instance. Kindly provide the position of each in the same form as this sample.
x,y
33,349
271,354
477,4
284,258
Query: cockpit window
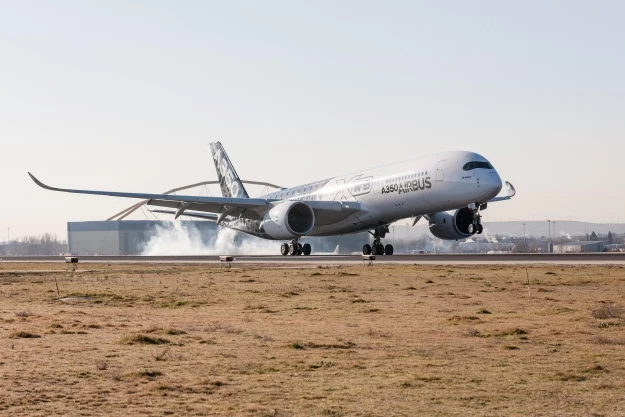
x,y
470,166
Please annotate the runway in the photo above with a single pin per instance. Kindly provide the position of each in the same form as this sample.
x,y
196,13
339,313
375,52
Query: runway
x,y
441,259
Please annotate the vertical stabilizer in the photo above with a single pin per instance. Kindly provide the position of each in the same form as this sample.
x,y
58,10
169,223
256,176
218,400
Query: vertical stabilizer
x,y
231,185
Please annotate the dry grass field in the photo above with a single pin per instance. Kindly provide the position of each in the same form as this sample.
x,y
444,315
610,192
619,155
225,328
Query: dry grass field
x,y
156,339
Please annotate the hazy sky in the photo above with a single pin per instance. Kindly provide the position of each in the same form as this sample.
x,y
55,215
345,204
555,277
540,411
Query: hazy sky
x,y
126,95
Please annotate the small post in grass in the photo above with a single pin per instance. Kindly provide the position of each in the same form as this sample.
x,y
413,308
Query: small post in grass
x,y
368,259
57,286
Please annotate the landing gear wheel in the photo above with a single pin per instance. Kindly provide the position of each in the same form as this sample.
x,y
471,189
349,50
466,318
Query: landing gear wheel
x,y
307,249
378,248
476,224
284,249
293,249
300,249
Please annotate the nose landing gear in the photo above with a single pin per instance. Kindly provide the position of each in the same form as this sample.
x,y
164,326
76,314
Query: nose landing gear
x,y
476,226
378,248
473,229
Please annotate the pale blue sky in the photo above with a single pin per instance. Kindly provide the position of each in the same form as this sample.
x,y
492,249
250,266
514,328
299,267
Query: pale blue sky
x,y
126,95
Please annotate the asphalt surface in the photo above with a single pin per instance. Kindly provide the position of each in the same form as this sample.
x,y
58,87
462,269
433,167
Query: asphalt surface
x,y
581,258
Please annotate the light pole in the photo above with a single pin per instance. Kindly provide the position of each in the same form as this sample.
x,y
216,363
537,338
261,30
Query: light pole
x,y
549,237
524,239
554,233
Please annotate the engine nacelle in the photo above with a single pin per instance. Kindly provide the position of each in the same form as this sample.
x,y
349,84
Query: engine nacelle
x,y
288,220
451,226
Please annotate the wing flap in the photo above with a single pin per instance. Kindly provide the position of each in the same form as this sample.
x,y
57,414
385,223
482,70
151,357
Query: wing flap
x,y
235,211
207,216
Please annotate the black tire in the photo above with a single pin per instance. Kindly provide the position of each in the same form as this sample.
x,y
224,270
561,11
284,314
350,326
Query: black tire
x,y
307,249
388,250
284,249
366,250
292,250
471,229
300,249
480,229
379,249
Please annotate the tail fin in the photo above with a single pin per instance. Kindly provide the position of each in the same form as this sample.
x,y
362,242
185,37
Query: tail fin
x,y
231,185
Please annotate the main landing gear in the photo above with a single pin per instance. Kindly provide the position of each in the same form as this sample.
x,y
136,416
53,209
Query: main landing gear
x,y
295,248
378,248
476,226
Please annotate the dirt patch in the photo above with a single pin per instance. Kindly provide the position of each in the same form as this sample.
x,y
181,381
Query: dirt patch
x,y
124,339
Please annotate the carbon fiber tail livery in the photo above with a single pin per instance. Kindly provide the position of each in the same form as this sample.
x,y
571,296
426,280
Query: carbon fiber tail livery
x,y
231,185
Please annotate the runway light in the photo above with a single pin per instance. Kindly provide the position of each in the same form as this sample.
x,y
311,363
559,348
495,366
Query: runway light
x,y
368,259
226,261
73,260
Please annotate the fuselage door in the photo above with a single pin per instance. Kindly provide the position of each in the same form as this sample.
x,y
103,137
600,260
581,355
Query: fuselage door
x,y
440,171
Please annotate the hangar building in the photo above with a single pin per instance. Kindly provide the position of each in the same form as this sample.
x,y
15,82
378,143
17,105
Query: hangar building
x,y
577,247
127,237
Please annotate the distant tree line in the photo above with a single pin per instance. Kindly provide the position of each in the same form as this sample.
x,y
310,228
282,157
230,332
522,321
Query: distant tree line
x,y
44,244
610,239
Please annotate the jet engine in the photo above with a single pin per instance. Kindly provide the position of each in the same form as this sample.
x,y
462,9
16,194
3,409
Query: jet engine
x,y
451,225
288,220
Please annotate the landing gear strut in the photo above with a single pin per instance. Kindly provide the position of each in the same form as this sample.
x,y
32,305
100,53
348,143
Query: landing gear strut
x,y
476,226
295,248
378,248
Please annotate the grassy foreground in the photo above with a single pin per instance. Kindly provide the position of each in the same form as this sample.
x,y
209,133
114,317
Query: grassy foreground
x,y
382,340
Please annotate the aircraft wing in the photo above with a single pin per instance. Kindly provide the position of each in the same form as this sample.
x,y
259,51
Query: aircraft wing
x,y
326,212
511,193
244,207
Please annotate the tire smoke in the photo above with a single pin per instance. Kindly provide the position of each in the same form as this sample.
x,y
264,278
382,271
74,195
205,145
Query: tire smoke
x,y
176,238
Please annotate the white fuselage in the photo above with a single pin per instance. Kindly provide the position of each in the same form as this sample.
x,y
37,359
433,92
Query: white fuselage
x,y
420,186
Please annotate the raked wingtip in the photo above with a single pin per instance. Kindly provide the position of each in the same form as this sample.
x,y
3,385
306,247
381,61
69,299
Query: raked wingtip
x,y
39,183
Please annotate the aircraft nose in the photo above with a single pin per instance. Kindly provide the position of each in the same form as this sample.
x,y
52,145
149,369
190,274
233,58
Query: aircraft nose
x,y
492,184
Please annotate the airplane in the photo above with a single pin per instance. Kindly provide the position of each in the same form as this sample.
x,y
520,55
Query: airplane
x,y
449,190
